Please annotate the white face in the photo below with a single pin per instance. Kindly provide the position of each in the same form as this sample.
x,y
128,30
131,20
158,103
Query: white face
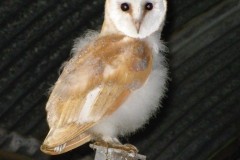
x,y
137,18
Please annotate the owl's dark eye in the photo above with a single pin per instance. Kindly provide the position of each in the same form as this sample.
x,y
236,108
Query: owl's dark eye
x,y
149,6
125,7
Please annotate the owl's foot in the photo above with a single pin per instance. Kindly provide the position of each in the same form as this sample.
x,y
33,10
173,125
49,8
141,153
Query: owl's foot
x,y
126,147
115,144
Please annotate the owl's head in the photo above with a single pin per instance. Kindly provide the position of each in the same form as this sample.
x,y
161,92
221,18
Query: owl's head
x,y
136,18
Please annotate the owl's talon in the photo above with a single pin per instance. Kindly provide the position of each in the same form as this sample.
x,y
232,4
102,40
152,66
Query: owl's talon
x,y
131,148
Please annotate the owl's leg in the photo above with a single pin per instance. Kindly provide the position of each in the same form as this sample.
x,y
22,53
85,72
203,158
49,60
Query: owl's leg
x,y
110,142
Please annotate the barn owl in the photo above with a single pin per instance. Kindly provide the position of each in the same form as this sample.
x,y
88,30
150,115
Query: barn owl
x,y
114,81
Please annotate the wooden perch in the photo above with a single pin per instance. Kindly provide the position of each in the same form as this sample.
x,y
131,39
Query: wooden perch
x,y
104,153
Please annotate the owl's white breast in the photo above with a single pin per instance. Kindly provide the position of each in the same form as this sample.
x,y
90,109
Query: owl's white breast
x,y
141,104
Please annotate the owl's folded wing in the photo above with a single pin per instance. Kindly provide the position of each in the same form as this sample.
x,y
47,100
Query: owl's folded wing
x,y
80,112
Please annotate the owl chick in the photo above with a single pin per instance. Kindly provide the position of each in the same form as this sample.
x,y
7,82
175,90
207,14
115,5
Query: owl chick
x,y
113,83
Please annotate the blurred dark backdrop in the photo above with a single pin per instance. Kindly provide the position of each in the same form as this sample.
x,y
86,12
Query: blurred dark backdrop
x,y
200,119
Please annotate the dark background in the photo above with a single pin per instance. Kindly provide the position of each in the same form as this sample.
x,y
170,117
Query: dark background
x,y
200,119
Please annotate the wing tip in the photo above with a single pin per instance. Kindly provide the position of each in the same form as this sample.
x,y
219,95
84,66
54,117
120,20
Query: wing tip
x,y
69,145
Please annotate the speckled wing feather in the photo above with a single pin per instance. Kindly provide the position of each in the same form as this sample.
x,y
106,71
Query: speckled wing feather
x,y
94,84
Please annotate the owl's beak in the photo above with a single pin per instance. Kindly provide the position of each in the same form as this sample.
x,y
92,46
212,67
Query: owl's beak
x,y
137,25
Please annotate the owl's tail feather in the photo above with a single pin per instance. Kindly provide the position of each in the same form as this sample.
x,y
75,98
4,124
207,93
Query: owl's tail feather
x,y
63,140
